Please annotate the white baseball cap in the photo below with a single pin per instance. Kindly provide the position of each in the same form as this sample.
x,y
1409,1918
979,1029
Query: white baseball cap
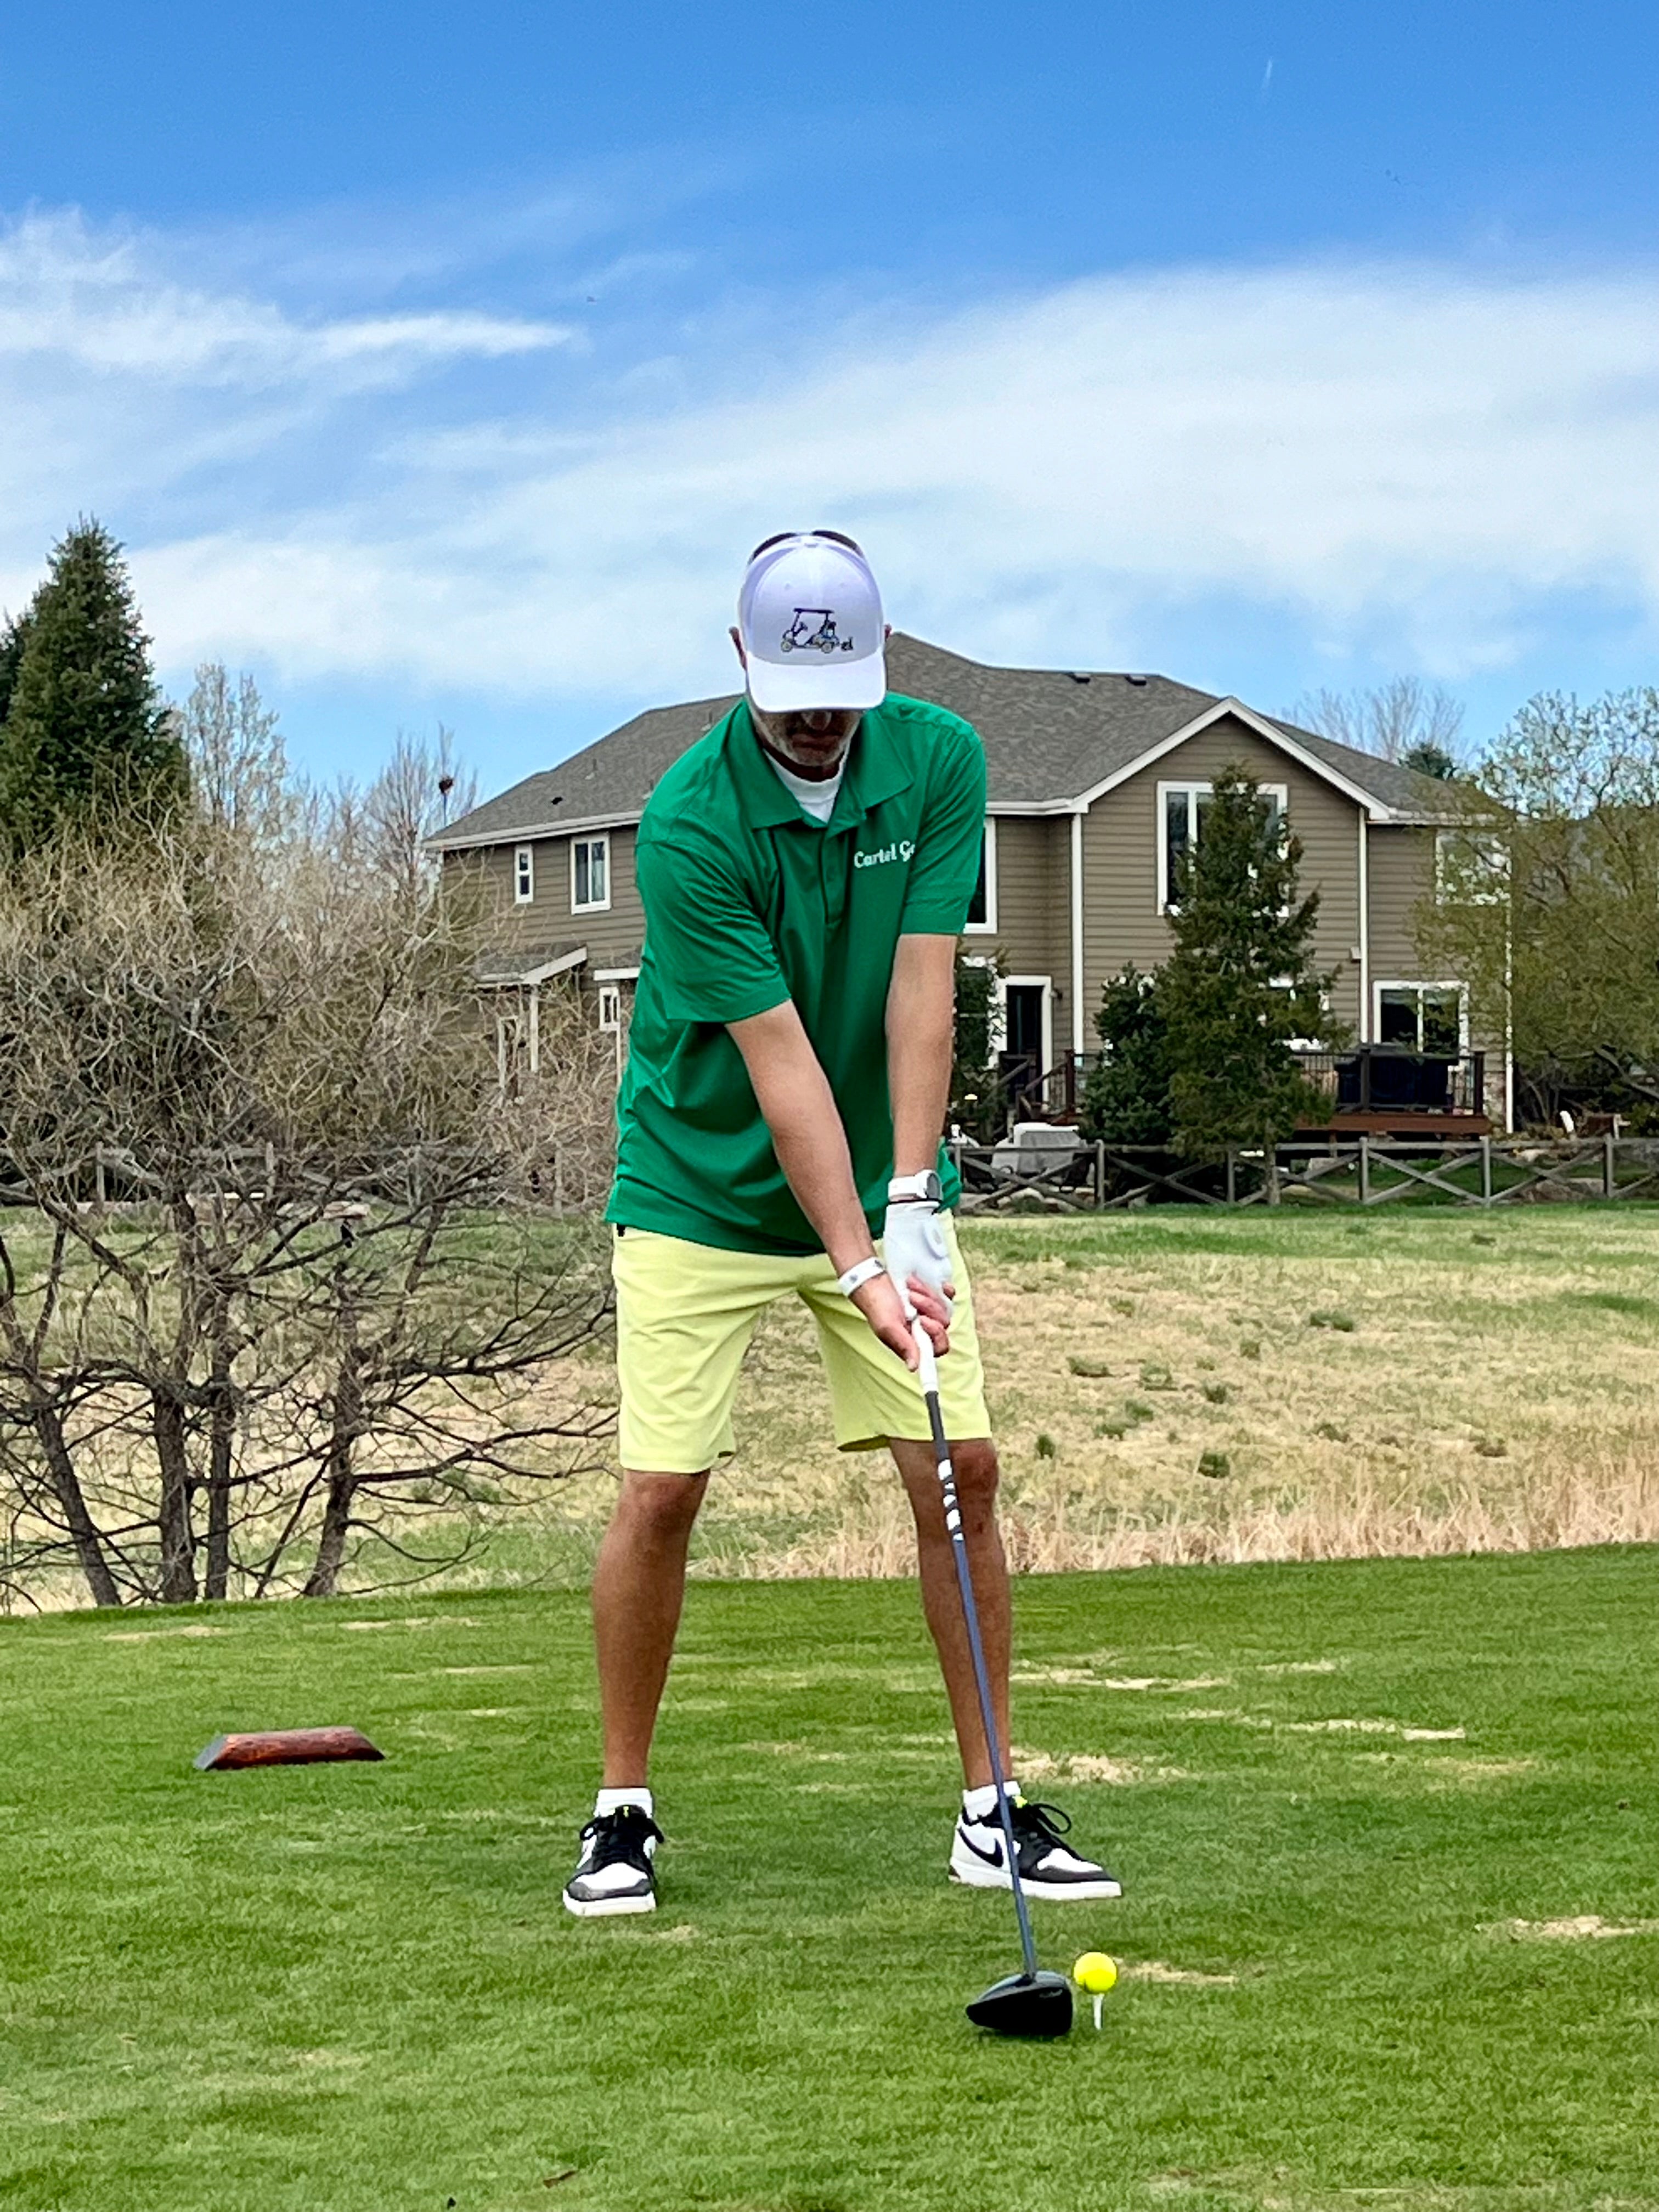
x,y
810,618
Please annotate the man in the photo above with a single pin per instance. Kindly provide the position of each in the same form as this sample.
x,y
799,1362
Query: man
x,y
805,871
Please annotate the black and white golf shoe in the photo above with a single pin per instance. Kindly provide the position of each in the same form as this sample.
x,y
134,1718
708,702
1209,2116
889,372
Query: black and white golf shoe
x,y
613,1874
1048,1868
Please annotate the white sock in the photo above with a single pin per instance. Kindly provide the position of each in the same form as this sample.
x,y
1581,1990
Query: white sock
x,y
612,1801
979,1804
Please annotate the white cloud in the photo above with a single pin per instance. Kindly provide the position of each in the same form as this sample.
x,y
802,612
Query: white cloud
x,y
1413,456
110,305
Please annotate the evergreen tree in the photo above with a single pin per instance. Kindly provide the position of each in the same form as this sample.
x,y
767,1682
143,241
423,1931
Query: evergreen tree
x,y
975,1096
1126,1100
86,734
1430,759
13,635
1240,983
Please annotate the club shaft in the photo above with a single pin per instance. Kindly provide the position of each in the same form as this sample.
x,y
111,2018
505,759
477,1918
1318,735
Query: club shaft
x,y
947,1483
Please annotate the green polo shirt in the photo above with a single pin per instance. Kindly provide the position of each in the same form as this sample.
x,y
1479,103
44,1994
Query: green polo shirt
x,y
749,903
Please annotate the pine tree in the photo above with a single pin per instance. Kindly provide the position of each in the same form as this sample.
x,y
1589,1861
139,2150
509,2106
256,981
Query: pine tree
x,y
1240,983
86,735
975,1094
1126,1100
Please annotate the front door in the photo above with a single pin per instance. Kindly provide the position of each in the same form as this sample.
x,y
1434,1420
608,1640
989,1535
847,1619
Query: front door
x,y
1021,1060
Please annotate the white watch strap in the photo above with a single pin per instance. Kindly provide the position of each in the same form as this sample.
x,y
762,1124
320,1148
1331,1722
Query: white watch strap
x,y
856,1278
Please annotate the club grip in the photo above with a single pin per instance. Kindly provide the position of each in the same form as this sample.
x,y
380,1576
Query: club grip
x,y
927,1372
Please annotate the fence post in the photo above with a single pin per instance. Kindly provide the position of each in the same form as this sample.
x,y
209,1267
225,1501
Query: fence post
x,y
1486,1171
1232,1175
1609,1169
98,1180
1365,1168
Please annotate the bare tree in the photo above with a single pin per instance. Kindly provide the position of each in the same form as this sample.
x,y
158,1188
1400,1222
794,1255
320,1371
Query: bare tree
x,y
423,787
261,1303
1396,720
238,767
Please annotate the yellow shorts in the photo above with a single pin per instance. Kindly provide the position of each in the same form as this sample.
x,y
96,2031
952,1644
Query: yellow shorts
x,y
685,1315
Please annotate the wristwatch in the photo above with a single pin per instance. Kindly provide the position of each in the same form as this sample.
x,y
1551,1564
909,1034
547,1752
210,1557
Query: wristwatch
x,y
865,1271
924,1189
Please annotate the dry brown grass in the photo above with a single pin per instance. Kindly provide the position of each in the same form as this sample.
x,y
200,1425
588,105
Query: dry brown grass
x,y
1494,1392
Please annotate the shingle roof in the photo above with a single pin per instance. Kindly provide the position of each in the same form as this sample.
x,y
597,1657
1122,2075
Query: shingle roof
x,y
1049,736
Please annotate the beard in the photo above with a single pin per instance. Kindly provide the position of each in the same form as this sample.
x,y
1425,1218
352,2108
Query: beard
x,y
812,741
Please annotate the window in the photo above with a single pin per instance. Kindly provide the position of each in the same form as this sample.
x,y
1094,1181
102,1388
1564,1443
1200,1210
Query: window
x,y
609,1006
523,875
982,907
1425,1018
1181,808
590,875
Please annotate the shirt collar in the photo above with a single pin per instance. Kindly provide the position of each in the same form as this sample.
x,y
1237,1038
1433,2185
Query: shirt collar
x,y
874,773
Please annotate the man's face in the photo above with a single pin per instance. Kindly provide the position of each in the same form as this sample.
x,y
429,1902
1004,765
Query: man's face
x,y
811,740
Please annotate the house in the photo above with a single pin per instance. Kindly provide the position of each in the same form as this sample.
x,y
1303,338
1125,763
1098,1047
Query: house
x,y
1097,782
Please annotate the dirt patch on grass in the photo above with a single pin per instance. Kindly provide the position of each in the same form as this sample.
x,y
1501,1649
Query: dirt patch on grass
x,y
1584,1927
1088,1767
1156,1970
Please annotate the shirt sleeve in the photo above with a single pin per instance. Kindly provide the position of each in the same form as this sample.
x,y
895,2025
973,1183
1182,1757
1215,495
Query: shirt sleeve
x,y
946,865
711,955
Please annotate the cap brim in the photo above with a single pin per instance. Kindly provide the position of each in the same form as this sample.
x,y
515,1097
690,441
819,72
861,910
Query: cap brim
x,y
817,679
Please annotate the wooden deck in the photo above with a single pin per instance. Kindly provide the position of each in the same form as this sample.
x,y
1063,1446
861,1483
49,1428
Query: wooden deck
x,y
1403,1122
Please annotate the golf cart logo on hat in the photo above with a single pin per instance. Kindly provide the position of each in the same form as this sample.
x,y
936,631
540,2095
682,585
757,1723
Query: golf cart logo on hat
x,y
814,626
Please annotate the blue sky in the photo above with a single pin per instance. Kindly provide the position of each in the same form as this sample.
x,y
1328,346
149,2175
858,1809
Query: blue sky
x,y
445,361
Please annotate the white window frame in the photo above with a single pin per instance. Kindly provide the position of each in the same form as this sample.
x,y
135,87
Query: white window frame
x,y
591,906
523,875
988,926
1196,788
611,1006
1000,1026
1420,983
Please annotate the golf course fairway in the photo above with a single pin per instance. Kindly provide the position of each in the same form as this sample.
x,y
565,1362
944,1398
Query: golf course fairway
x,y
1390,1936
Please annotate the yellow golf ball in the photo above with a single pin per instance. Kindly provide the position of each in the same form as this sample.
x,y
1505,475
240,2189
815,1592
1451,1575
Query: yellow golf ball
x,y
1095,1972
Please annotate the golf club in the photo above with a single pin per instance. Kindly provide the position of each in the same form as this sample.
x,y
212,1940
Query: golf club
x,y
1032,2002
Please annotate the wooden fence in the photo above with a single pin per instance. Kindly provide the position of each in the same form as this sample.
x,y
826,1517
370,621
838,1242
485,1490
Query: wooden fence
x,y
1360,1171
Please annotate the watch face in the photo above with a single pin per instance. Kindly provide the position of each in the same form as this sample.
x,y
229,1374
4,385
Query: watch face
x,y
932,1188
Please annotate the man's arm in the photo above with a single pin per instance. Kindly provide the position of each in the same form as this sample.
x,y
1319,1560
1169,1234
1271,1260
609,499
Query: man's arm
x,y
920,1027
800,1110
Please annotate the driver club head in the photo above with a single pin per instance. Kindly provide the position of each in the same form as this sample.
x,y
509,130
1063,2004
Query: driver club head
x,y
1037,2004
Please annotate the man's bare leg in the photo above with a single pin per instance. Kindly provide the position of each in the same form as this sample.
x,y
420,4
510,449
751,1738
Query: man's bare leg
x,y
639,1586
976,1465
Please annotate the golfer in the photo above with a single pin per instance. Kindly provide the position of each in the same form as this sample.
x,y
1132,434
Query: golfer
x,y
805,871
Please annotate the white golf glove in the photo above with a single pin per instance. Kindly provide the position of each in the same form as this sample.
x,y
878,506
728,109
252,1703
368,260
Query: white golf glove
x,y
913,1243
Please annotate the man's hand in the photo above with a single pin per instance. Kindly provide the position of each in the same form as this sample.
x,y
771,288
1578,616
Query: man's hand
x,y
880,1302
914,1246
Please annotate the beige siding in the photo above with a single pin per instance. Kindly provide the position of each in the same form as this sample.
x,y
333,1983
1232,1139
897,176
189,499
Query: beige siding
x,y
1121,837
1401,877
1033,904
547,919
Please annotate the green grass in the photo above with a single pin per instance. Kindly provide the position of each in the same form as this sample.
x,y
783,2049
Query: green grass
x,y
352,1989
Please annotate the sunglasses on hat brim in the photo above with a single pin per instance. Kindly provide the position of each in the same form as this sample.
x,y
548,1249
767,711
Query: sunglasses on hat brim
x,y
783,537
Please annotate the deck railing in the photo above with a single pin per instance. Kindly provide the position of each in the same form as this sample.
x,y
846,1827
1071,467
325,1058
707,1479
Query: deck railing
x,y
1385,1079
1362,1079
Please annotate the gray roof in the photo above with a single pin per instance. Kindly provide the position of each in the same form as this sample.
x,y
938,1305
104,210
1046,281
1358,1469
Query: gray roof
x,y
1050,735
